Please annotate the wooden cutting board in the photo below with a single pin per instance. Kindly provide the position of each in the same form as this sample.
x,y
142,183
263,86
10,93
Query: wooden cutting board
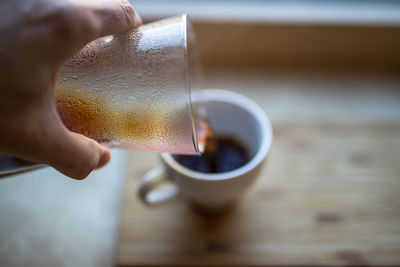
x,y
329,194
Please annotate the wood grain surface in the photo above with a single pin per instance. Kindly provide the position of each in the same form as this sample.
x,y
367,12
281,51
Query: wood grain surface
x,y
329,194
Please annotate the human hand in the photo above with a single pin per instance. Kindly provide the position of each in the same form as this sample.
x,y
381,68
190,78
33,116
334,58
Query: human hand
x,y
36,37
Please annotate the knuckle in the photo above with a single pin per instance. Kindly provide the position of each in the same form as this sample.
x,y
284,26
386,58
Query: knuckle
x,y
80,174
128,11
83,165
64,19
122,14
81,170
71,21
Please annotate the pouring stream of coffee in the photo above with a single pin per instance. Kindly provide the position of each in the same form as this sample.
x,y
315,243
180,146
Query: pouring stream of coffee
x,y
207,134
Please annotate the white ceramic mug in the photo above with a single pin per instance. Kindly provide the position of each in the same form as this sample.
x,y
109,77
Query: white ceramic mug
x,y
229,114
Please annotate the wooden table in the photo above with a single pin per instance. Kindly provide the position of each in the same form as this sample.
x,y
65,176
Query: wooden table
x,y
330,193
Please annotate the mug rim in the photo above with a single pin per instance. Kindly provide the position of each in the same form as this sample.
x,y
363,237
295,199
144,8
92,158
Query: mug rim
x,y
262,152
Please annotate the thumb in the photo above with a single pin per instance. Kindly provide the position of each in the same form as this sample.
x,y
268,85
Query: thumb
x,y
53,144
74,154
70,153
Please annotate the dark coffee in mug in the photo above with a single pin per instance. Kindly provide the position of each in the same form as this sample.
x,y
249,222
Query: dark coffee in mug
x,y
223,154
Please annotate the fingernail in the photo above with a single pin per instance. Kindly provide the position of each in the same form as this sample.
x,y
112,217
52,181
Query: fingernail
x,y
104,159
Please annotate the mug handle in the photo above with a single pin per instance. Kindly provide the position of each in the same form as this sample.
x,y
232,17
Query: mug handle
x,y
148,192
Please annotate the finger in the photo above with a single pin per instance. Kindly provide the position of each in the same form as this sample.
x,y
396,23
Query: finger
x,y
65,27
40,136
107,17
73,154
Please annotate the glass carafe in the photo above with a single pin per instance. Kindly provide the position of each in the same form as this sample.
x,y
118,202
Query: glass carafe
x,y
133,90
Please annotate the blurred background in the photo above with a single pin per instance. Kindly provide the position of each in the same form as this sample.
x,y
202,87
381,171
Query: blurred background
x,y
313,34
327,75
